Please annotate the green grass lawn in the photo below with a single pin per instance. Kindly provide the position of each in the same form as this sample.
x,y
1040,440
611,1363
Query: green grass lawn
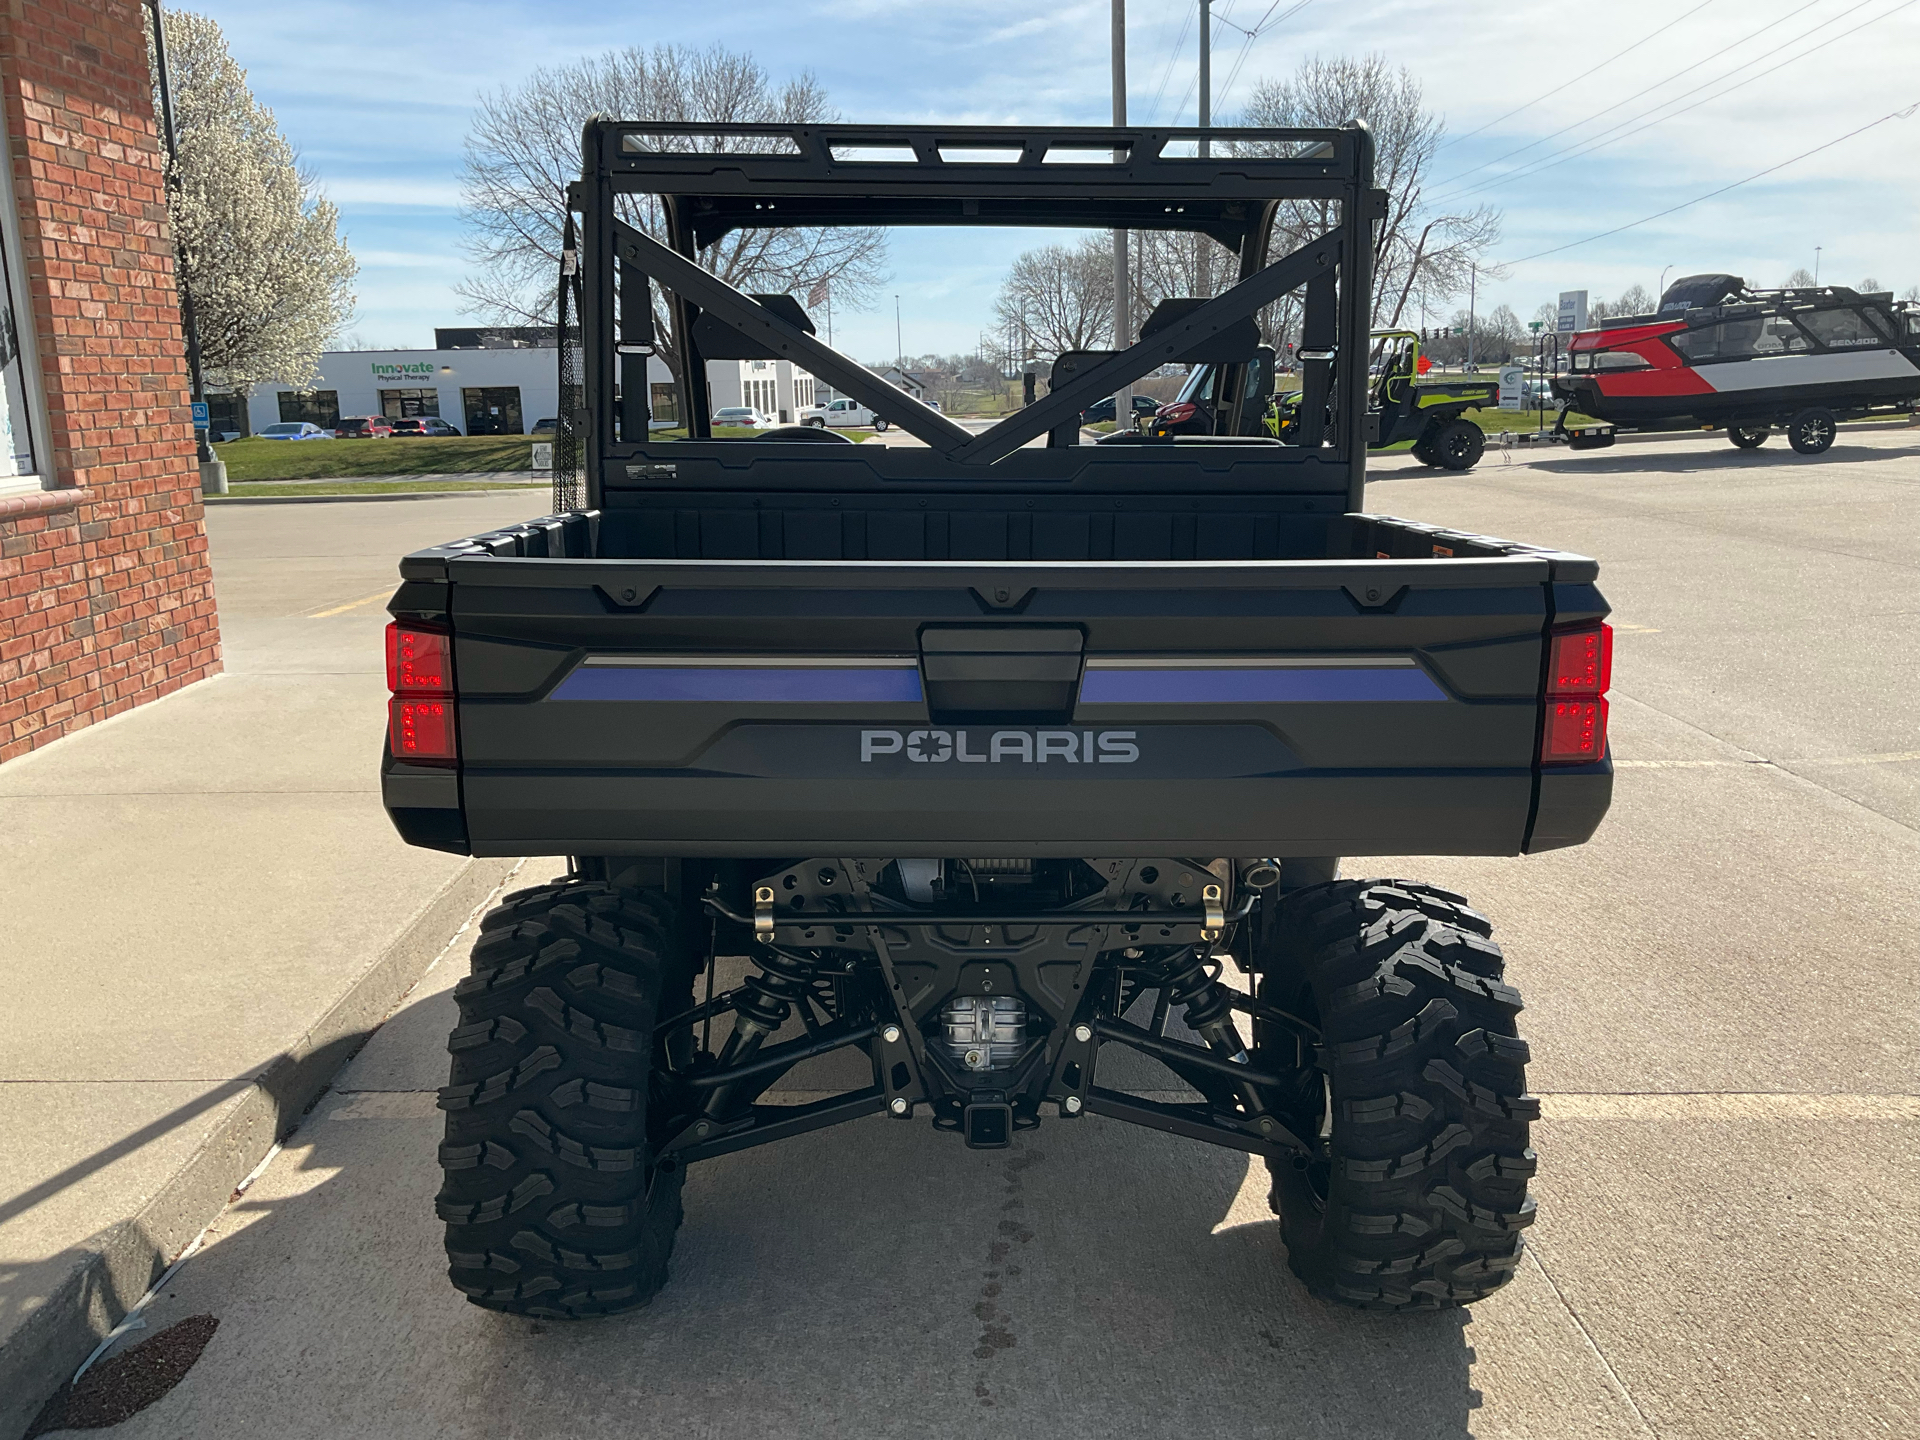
x,y
257,459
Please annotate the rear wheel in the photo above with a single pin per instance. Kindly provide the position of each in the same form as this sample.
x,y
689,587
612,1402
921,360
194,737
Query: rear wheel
x,y
551,1199
1418,1085
880,422
1423,452
1748,437
1459,445
1811,432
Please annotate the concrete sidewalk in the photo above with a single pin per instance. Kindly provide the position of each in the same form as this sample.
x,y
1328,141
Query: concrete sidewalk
x,y
207,912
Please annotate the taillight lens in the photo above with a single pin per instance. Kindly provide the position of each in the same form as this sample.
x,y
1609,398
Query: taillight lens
x,y
420,726
1179,412
1581,662
419,662
421,730
1579,670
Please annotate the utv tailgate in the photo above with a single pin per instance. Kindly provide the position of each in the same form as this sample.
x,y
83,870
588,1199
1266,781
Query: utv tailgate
x,y
1276,708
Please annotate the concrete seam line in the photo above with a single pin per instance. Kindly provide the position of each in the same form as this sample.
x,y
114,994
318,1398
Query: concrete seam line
x,y
120,1263
1532,1252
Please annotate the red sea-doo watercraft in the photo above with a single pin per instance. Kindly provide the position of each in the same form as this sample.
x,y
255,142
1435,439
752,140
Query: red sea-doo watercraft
x,y
1719,354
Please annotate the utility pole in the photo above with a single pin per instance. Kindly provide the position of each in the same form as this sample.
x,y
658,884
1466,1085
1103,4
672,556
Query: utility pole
x,y
1203,268
1816,265
213,470
1473,286
899,345
1122,282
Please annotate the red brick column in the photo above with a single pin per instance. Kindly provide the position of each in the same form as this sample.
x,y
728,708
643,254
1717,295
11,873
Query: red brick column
x,y
108,600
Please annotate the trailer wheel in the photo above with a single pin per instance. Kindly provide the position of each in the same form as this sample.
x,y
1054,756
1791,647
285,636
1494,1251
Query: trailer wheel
x,y
1811,432
1459,445
551,1200
1748,437
1417,1083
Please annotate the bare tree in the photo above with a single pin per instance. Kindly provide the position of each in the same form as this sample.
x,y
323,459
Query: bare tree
x,y
1420,250
1635,300
1869,286
258,244
524,148
1911,294
1801,279
1059,298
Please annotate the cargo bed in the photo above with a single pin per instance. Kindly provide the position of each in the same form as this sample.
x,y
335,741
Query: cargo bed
x,y
1380,697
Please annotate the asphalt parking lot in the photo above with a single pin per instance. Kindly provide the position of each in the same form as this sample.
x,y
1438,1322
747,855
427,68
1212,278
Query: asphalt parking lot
x,y
1722,1012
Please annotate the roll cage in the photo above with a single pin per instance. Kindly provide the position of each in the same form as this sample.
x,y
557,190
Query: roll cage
x,y
713,179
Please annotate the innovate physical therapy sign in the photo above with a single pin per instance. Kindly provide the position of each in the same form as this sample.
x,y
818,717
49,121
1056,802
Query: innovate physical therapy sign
x,y
411,371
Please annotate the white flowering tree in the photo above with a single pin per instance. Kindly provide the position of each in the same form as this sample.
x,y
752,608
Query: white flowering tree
x,y
259,248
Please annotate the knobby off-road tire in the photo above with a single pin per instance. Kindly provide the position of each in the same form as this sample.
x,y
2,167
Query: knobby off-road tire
x,y
552,1204
1458,445
1423,1202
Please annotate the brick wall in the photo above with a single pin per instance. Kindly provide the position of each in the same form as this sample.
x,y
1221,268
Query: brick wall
x,y
108,601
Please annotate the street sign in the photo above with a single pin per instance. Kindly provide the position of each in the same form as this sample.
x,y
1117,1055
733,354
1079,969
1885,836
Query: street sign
x,y
202,418
1573,312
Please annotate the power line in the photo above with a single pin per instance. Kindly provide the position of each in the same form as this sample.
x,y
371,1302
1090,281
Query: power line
x,y
1576,79
1698,199
1679,74
1581,148
1260,29
1173,58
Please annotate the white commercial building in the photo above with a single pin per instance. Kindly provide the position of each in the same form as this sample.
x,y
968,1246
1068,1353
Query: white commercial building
x,y
486,388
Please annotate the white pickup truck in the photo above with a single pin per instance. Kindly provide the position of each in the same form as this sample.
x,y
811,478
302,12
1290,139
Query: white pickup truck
x,y
845,414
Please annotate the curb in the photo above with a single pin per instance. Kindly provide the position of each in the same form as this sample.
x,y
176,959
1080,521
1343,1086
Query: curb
x,y
115,1267
359,499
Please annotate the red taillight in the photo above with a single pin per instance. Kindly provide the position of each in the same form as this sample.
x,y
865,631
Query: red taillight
x,y
1179,412
1579,670
419,662
420,675
1582,661
421,730
1576,732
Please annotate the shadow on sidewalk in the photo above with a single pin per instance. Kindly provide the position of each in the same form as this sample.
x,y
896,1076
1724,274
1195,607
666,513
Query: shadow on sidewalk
x,y
877,1279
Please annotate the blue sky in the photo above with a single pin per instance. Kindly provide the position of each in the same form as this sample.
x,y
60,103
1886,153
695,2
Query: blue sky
x,y
377,98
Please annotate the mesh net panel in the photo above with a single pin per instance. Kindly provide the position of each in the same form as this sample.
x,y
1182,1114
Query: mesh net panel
x,y
569,483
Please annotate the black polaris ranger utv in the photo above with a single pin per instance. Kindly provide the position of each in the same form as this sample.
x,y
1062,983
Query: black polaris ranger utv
x,y
988,756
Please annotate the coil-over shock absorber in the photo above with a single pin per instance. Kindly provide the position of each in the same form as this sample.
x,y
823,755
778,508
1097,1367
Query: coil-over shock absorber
x,y
785,981
1207,1005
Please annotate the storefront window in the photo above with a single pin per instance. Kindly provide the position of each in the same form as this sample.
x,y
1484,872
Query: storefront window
x,y
319,407
493,410
409,404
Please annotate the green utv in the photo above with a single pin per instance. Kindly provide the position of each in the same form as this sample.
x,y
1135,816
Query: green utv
x,y
1405,412
955,771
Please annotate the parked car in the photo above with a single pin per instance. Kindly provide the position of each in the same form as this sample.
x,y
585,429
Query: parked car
x,y
295,430
363,427
548,426
1103,409
741,417
424,425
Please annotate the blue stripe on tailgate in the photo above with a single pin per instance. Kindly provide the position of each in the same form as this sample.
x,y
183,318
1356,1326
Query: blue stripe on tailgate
x,y
1255,686
750,685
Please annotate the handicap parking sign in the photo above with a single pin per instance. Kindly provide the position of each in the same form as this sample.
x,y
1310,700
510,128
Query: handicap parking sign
x,y
202,420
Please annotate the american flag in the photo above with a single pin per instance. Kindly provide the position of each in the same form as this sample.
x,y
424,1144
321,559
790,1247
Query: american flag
x,y
818,294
